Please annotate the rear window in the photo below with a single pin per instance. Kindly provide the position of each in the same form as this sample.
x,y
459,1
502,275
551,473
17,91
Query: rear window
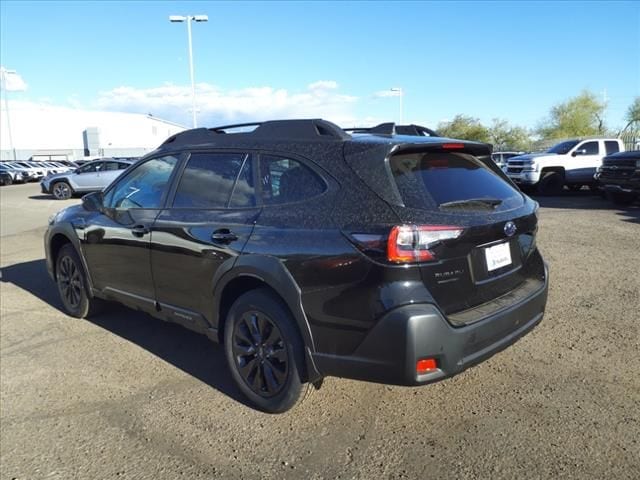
x,y
429,180
612,147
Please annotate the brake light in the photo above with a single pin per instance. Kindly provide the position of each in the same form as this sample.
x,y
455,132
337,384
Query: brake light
x,y
452,146
412,243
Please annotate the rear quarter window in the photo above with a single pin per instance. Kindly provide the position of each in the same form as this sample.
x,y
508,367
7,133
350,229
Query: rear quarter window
x,y
284,180
428,180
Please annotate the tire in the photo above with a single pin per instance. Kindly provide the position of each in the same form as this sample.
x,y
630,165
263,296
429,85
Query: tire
x,y
264,351
7,181
551,183
72,285
622,199
61,190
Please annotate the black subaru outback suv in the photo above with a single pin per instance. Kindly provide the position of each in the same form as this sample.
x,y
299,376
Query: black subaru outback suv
x,y
311,252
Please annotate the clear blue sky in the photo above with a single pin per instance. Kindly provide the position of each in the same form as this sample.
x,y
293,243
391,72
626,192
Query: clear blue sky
x,y
512,60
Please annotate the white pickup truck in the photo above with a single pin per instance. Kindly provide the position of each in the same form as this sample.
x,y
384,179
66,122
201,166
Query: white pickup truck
x,y
572,163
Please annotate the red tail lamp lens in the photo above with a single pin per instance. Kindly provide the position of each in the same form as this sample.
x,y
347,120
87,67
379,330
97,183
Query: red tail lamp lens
x,y
411,243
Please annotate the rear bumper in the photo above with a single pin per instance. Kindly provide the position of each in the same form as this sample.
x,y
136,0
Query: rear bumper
x,y
410,333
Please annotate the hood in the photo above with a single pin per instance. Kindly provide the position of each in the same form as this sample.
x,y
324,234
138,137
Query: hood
x,y
531,156
56,176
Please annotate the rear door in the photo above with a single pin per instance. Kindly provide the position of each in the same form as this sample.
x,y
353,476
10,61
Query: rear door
x,y
109,172
478,228
207,222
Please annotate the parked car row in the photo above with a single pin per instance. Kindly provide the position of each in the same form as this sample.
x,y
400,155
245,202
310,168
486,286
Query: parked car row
x,y
28,171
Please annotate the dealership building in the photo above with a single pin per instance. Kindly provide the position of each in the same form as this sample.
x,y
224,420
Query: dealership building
x,y
45,132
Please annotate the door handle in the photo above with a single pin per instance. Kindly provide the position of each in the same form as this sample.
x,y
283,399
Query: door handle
x,y
224,235
139,230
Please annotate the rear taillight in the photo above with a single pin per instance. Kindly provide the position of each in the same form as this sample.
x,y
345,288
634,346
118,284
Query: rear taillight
x,y
412,243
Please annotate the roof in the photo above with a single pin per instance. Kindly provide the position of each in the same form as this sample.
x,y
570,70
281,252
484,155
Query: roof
x,y
308,130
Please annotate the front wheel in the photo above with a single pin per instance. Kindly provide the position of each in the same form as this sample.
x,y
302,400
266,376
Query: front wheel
x,y
551,183
264,351
72,285
61,190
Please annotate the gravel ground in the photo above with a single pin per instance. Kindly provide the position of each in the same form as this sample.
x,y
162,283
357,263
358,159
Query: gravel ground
x,y
127,396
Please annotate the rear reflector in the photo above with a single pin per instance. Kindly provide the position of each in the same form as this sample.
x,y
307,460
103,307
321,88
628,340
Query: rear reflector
x,y
411,243
426,365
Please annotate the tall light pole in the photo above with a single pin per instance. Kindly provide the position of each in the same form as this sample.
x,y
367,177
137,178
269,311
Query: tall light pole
x,y
400,93
189,19
3,85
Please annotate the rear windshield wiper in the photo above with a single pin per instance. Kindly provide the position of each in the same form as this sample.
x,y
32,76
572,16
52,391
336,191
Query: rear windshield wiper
x,y
473,202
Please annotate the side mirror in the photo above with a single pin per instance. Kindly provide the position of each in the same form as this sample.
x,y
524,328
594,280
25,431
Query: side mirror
x,y
582,151
92,202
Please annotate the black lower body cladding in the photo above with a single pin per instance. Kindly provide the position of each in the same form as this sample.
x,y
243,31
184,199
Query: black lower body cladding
x,y
407,334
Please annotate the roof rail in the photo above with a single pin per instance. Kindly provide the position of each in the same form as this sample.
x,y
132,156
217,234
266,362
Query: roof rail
x,y
195,135
313,129
391,128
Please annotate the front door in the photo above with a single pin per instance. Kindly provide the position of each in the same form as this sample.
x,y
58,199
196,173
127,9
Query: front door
x,y
86,177
117,243
586,158
206,223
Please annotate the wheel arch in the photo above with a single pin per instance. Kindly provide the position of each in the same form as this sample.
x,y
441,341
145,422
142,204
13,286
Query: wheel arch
x,y
249,272
557,169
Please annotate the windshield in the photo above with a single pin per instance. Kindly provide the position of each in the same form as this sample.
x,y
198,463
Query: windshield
x,y
443,179
563,148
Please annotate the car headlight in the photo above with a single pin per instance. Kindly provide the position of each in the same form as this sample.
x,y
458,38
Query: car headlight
x,y
533,167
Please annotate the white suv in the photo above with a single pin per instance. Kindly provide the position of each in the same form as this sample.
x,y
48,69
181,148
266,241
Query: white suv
x,y
572,163
90,177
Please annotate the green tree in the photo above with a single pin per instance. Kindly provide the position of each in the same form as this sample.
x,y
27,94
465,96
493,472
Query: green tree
x,y
465,128
507,137
632,115
580,116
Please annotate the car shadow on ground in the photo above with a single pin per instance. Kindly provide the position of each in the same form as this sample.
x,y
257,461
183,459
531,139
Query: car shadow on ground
x,y
192,353
42,197
585,200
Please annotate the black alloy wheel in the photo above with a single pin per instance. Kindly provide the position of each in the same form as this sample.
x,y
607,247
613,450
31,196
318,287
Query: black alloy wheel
x,y
260,354
72,285
264,350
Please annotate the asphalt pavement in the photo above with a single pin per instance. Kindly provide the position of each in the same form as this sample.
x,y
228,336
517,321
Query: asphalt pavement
x,y
126,396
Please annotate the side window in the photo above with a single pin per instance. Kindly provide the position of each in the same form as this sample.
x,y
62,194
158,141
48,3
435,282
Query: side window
x,y
589,148
108,166
123,166
93,167
612,147
142,187
284,180
210,180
